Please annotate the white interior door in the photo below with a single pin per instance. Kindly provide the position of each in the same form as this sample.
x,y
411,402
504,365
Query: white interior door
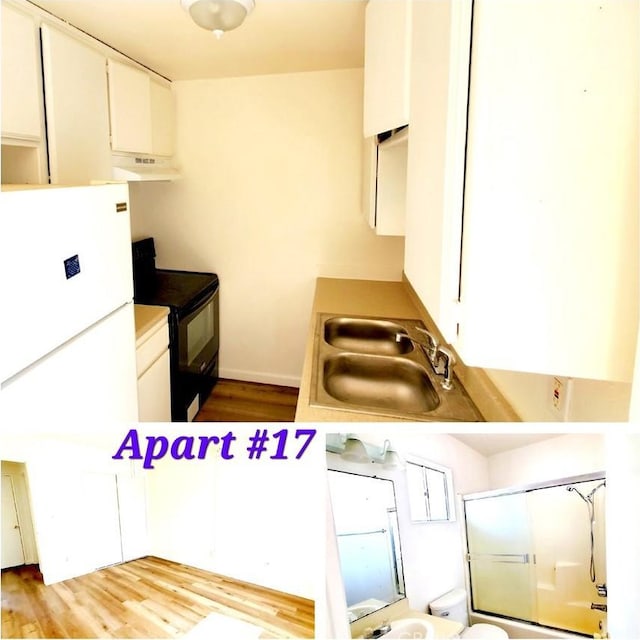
x,y
12,550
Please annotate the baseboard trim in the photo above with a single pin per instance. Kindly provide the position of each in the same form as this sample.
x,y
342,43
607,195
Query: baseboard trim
x,y
264,378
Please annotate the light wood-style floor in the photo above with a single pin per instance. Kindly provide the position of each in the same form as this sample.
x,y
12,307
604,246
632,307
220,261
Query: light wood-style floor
x,y
146,598
234,401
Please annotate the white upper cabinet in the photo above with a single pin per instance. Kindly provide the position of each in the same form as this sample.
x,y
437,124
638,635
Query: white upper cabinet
x,y
384,180
386,65
391,184
130,108
141,110
369,179
522,230
435,166
162,121
77,109
21,78
550,246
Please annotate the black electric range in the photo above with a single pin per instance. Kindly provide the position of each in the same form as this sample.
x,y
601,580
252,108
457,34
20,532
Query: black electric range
x,y
194,317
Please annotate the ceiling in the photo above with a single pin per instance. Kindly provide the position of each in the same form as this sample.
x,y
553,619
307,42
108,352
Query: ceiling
x,y
279,36
489,444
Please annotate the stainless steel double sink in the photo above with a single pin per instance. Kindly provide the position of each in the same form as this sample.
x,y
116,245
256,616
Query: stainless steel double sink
x,y
374,366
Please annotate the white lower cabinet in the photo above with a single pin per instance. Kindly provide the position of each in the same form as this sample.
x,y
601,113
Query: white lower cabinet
x,y
154,389
154,401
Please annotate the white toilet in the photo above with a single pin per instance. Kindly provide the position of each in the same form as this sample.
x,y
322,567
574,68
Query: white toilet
x,y
453,606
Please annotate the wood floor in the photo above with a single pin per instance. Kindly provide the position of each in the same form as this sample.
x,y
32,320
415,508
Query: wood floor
x,y
146,598
234,401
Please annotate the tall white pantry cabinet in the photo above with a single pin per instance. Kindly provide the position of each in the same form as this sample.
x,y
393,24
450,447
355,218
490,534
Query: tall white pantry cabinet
x,y
522,187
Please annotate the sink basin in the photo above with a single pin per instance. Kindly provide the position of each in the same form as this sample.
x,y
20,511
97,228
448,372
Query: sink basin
x,y
367,335
360,367
411,628
379,382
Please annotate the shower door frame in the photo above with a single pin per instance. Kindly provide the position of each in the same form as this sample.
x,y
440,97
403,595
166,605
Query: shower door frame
x,y
516,489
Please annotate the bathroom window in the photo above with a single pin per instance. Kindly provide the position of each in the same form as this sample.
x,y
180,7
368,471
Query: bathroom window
x,y
430,490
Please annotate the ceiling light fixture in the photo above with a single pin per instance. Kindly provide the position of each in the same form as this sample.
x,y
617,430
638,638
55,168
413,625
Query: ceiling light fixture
x,y
351,448
218,16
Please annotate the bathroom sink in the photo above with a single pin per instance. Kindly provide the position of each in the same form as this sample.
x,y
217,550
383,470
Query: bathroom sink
x,y
410,628
385,382
367,335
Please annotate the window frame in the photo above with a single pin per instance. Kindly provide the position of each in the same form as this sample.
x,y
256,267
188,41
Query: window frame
x,y
449,494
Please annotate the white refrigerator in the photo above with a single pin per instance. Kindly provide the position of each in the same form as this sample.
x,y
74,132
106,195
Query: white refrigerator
x,y
68,331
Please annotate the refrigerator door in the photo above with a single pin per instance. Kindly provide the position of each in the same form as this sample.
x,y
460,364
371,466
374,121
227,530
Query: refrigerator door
x,y
89,382
65,257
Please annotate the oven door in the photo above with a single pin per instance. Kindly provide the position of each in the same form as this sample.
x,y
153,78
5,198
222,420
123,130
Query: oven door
x,y
198,336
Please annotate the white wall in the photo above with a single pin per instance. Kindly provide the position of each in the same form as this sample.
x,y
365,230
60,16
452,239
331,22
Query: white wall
x,y
431,552
270,200
558,457
591,400
180,510
252,520
623,520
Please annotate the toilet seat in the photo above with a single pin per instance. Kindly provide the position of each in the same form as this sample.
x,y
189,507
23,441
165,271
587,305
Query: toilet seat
x,y
484,631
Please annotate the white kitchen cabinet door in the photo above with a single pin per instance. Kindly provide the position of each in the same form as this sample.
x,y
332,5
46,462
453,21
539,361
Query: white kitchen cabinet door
x,y
387,53
162,119
440,41
130,108
21,77
391,185
154,398
369,179
77,106
550,246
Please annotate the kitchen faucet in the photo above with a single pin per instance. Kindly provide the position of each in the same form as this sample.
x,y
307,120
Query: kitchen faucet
x,y
440,357
445,357
432,343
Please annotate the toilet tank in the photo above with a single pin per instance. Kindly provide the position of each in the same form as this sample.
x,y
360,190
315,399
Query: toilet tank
x,y
452,605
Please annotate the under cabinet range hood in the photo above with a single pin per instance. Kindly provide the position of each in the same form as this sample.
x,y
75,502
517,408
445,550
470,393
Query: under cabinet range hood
x,y
143,168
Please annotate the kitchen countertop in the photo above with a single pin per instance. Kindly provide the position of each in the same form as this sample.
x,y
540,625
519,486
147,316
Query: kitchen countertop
x,y
147,317
387,300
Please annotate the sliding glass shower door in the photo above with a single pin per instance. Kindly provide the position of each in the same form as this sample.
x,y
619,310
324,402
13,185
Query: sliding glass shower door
x,y
538,554
500,556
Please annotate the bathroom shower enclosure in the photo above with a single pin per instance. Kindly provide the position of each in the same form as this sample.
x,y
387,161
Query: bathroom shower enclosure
x,y
537,553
